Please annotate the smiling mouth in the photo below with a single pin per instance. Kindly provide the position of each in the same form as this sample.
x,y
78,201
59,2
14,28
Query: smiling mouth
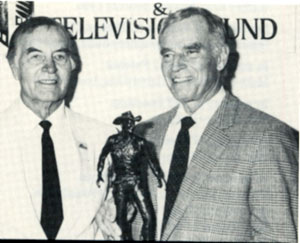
x,y
181,80
48,81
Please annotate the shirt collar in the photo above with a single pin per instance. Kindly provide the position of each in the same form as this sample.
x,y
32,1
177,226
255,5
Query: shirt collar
x,y
30,120
58,115
205,112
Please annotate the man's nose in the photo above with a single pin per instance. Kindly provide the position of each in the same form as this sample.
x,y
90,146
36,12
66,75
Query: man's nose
x,y
178,62
49,66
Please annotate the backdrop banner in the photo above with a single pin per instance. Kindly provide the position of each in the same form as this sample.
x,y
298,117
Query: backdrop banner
x,y
118,45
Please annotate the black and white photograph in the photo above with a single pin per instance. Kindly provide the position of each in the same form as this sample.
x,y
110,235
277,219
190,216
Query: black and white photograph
x,y
149,120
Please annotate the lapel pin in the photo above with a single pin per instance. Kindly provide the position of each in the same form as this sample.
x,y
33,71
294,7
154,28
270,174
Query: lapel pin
x,y
82,146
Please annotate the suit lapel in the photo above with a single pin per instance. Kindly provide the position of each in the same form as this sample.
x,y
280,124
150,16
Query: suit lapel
x,y
210,147
30,226
79,185
156,135
26,166
70,168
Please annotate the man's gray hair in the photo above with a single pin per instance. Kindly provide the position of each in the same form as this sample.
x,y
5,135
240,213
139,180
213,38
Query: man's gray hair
x,y
215,25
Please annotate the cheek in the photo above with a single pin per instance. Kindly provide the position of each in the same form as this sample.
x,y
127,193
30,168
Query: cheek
x,y
204,69
212,71
64,76
64,73
166,71
165,67
208,77
27,74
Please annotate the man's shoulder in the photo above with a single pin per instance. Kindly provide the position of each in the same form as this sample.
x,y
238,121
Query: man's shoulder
x,y
248,115
253,123
87,125
83,120
8,116
157,121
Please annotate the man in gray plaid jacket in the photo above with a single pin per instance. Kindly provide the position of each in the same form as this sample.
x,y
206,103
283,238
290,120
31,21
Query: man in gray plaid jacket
x,y
241,178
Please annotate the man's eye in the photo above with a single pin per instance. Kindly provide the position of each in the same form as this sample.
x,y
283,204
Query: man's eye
x,y
167,56
60,58
36,58
192,52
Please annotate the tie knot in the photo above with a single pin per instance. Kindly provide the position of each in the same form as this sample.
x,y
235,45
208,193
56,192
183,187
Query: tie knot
x,y
45,125
187,122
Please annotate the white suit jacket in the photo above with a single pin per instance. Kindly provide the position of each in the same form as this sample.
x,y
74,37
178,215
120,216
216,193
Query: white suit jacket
x,y
18,219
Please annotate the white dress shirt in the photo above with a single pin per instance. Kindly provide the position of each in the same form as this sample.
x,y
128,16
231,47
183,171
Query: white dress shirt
x,y
60,133
201,118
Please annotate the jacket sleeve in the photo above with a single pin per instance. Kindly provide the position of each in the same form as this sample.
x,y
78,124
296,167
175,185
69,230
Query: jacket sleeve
x,y
273,195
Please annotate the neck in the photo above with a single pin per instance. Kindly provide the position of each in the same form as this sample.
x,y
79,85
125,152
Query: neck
x,y
126,132
42,109
192,106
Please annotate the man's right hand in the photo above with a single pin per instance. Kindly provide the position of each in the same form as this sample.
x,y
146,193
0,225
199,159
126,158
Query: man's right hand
x,y
99,180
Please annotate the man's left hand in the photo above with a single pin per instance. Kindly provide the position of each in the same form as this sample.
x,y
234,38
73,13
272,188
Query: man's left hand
x,y
106,219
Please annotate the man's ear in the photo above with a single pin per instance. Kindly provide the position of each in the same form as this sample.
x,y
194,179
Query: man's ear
x,y
222,58
15,70
73,64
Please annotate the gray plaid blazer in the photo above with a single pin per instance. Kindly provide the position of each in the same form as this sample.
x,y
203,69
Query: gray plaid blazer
x,y
242,181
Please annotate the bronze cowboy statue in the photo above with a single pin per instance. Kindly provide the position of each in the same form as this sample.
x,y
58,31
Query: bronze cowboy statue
x,y
129,154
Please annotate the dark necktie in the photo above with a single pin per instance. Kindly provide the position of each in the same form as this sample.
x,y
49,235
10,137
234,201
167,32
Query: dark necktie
x,y
178,166
52,211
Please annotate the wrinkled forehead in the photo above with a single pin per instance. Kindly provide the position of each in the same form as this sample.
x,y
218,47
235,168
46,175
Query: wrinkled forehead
x,y
42,34
186,32
178,27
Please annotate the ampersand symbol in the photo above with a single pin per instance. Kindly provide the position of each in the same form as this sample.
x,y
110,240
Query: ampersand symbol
x,y
159,10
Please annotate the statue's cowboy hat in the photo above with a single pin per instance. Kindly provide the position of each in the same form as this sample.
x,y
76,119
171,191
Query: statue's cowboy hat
x,y
126,116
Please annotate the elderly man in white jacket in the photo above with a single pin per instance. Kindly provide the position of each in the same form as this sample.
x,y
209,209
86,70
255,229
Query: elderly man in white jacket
x,y
48,153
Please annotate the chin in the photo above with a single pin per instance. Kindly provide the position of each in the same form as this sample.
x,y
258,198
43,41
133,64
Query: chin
x,y
49,99
183,98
